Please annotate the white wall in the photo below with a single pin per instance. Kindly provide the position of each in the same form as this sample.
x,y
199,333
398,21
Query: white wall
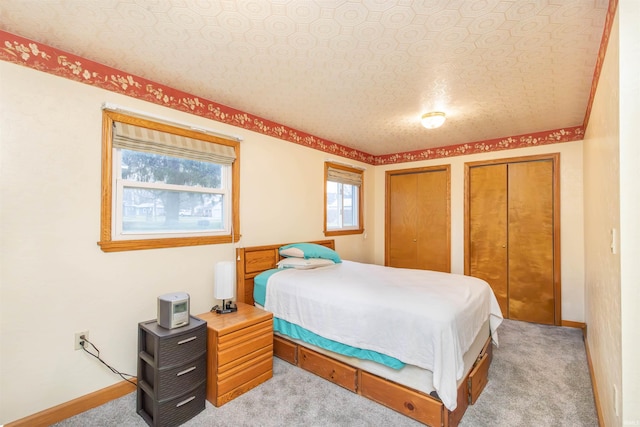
x,y
55,280
571,215
612,280
281,195
602,214
629,15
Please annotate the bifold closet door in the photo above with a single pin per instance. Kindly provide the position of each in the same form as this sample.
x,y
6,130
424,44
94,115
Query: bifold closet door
x,y
432,222
511,236
530,230
418,220
488,229
401,248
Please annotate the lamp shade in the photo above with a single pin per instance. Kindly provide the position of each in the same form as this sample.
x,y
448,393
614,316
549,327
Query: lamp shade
x,y
225,280
433,120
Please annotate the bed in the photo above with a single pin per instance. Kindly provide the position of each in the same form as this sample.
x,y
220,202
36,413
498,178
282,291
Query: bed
x,y
431,377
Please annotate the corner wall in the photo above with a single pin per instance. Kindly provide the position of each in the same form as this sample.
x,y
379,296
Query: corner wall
x,y
629,11
602,215
612,156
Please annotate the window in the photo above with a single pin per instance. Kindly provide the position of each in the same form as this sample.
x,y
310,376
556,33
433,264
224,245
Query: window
x,y
165,186
343,200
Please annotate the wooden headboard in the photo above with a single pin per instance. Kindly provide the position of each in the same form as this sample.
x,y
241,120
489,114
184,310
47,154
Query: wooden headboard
x,y
254,260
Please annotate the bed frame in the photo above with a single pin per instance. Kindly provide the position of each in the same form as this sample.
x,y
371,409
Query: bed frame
x,y
422,407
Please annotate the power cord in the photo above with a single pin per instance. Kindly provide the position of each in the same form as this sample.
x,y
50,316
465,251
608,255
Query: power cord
x,y
97,356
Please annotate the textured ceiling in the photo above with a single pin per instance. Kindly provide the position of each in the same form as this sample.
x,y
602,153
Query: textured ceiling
x,y
358,73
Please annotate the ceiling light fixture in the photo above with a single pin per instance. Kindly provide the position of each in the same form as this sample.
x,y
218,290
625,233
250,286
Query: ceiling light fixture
x,y
433,120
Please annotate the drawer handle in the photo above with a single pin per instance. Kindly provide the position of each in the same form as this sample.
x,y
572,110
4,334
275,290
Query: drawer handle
x,y
186,371
184,402
187,340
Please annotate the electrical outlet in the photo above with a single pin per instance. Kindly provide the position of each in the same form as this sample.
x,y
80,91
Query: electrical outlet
x,y
79,342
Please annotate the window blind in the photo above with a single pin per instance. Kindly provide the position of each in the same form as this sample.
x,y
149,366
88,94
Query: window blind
x,y
343,176
131,137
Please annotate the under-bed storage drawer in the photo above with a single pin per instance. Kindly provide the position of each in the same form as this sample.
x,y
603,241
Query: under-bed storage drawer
x,y
285,350
412,404
328,368
479,375
478,378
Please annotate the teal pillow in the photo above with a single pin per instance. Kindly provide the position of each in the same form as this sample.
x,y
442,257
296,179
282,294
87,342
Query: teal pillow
x,y
309,250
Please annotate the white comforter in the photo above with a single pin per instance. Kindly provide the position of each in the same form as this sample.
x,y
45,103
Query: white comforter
x,y
424,318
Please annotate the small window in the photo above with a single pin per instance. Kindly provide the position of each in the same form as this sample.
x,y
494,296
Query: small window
x,y
165,186
343,200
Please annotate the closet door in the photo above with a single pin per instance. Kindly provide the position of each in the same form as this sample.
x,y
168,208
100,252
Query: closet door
x,y
417,219
531,290
432,222
401,220
487,207
512,234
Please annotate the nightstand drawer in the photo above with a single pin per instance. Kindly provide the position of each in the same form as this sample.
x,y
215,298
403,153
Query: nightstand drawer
x,y
233,338
245,372
258,354
245,341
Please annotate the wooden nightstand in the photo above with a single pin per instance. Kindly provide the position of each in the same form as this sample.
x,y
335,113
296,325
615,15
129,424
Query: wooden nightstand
x,y
239,352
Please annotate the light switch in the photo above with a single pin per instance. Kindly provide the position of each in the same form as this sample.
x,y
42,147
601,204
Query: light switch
x,y
614,241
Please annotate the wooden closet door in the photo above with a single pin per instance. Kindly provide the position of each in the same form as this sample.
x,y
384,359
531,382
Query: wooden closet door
x,y
401,220
531,247
432,222
512,234
487,221
418,220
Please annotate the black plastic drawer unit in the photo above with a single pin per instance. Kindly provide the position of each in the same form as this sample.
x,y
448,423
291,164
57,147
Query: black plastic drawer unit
x,y
172,372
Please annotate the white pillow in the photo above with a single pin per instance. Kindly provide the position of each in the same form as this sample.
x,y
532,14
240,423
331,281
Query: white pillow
x,y
304,264
309,250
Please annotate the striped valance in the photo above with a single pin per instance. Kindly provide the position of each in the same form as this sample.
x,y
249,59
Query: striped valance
x,y
344,176
131,137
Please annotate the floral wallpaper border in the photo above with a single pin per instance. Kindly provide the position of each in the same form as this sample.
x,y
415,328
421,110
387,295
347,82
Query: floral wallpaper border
x,y
44,58
575,133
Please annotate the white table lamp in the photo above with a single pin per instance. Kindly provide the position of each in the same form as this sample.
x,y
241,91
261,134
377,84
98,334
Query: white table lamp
x,y
224,285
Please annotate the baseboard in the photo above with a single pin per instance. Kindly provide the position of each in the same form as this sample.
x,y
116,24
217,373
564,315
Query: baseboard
x,y
572,324
74,407
593,383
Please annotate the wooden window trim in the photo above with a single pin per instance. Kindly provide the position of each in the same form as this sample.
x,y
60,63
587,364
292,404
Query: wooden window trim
x,y
106,243
360,228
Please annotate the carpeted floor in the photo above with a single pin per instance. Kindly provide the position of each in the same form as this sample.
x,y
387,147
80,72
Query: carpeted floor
x,y
539,377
